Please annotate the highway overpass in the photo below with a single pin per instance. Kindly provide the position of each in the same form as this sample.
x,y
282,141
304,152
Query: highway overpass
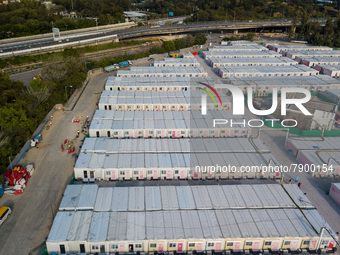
x,y
74,40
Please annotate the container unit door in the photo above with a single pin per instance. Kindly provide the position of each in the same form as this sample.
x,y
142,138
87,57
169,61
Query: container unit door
x,y
294,245
237,246
256,246
180,247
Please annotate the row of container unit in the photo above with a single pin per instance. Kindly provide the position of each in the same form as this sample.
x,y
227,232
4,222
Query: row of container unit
x,y
167,71
154,84
107,145
333,95
317,156
313,61
177,62
238,43
331,70
334,192
91,197
181,231
150,94
187,116
297,54
231,48
314,83
266,71
166,129
168,166
287,47
279,61
239,54
160,104
177,219
311,143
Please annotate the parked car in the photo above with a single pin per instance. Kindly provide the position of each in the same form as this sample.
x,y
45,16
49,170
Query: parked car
x,y
5,212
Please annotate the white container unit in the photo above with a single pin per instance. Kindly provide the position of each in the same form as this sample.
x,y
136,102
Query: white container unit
x,y
235,218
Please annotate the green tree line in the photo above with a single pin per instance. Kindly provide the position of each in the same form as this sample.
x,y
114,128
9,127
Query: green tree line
x,y
30,17
314,33
210,10
23,108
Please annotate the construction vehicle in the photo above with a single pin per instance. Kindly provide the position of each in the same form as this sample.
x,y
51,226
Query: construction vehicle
x,y
111,68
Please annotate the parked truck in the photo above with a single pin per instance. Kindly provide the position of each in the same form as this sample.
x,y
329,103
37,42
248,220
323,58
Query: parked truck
x,y
111,68
125,63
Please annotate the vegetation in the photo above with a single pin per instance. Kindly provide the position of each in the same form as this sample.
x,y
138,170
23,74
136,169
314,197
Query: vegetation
x,y
20,60
314,33
23,109
202,10
30,17
248,37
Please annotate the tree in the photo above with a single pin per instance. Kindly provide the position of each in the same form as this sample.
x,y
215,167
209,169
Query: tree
x,y
39,90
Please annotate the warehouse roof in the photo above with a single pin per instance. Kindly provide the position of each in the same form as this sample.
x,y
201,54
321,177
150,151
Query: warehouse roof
x,y
311,143
113,81
265,196
314,53
220,144
154,70
240,54
251,61
262,70
240,212
315,80
232,48
192,224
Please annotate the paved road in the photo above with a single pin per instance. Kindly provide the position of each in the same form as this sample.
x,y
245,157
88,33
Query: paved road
x,y
26,77
33,211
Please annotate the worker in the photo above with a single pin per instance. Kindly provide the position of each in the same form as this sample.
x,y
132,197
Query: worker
x,y
290,181
78,132
299,184
296,178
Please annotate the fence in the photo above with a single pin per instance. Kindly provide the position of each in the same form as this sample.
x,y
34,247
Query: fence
x,y
297,131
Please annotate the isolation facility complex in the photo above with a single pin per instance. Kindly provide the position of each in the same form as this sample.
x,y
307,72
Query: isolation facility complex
x,y
177,219
150,125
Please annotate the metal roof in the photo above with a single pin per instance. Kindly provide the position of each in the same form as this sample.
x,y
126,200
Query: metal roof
x,y
61,225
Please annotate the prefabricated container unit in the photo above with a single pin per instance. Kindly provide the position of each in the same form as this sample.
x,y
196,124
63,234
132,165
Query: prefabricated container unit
x,y
279,61
287,47
163,124
266,71
331,70
148,101
241,218
297,54
220,144
333,95
313,61
254,47
154,84
172,165
314,83
167,71
334,192
238,43
239,54
320,163
311,143
177,62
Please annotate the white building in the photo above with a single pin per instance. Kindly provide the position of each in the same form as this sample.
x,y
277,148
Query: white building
x,y
115,159
266,71
166,71
279,61
232,218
